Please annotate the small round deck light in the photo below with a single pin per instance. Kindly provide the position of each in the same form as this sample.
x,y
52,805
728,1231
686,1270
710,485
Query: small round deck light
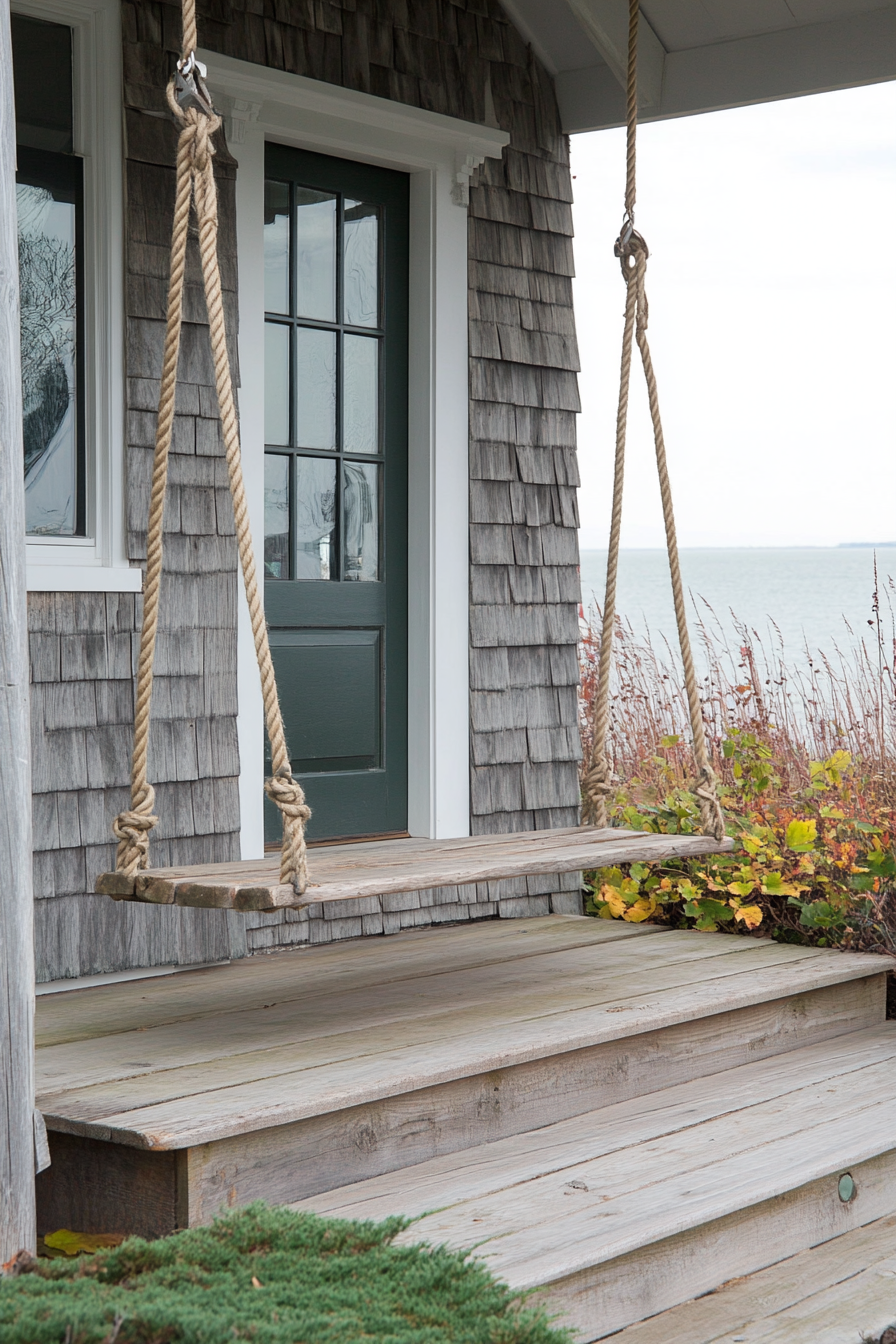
x,y
846,1189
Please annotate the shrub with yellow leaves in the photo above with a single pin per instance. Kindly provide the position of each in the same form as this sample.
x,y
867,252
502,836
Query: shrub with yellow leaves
x,y
809,792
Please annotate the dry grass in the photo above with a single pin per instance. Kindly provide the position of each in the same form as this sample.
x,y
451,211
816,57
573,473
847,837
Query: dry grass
x,y
805,751
804,708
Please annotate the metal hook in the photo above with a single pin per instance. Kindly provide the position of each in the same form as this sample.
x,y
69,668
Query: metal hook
x,y
189,85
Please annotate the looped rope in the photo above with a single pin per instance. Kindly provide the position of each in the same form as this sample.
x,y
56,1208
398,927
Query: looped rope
x,y
632,251
195,185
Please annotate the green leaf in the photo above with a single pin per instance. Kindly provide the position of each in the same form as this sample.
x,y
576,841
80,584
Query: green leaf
x,y
801,836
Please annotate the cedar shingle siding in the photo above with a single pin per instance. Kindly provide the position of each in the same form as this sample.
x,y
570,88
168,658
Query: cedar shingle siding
x,y
465,60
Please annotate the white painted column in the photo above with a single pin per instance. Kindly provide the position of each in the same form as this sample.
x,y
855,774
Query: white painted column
x,y
250,246
438,533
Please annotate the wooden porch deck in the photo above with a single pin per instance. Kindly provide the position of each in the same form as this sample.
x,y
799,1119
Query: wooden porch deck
x,y
553,1085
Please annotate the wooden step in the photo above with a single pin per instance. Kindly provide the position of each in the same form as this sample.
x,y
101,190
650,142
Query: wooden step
x,y
287,1075
630,1209
377,868
840,1292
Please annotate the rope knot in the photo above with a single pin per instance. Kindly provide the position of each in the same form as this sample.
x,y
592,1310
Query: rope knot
x,y
287,794
597,787
705,790
131,829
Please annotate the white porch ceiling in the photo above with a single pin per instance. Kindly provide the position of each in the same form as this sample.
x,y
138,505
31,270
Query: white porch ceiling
x,y
701,55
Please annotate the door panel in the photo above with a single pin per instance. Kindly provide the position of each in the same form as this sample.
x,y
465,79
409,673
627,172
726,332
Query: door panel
x,y
341,668
336,258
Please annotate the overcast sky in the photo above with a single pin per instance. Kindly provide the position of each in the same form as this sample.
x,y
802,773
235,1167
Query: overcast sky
x,y
772,287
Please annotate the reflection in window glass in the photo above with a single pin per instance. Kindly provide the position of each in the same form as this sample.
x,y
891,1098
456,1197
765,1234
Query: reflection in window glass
x,y
49,330
276,383
276,247
315,388
360,518
315,254
360,392
360,277
315,513
276,516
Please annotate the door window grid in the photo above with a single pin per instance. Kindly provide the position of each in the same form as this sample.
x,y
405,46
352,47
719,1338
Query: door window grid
x,y
323,385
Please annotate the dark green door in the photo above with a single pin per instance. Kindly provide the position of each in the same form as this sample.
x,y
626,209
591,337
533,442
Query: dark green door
x,y
335,547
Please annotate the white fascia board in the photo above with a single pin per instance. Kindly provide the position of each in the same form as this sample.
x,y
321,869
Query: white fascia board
x,y
606,23
439,154
813,58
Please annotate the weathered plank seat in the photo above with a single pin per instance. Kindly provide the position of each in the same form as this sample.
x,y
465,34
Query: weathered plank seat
x,y
346,871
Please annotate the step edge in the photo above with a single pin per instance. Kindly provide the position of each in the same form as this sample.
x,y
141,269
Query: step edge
x,y
629,1245
350,1095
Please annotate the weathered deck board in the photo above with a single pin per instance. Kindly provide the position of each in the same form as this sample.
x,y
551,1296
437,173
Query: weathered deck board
x,y
305,972
836,1293
632,1208
268,1045
312,1070
233,1065
347,872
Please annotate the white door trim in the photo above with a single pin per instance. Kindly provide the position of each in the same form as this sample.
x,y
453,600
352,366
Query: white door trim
x,y
439,153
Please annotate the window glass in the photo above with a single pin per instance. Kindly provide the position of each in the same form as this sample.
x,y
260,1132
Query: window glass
x,y
315,517
276,383
315,397
315,254
322,385
361,247
361,521
276,247
49,207
360,374
42,76
276,516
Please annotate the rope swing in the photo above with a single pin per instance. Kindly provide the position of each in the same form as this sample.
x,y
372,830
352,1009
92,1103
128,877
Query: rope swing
x,y
191,105
632,252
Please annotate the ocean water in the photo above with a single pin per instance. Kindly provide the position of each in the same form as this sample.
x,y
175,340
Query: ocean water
x,y
818,598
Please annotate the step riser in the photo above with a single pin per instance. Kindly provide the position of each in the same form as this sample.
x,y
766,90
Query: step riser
x,y
292,1162
618,1293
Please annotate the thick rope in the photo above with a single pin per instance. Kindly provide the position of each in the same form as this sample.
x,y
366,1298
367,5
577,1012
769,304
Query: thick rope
x,y
195,180
632,252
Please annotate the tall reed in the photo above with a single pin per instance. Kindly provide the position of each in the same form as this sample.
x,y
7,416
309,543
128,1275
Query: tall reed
x,y
804,708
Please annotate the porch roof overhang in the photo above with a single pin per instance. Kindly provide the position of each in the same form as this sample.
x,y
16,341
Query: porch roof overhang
x,y
703,55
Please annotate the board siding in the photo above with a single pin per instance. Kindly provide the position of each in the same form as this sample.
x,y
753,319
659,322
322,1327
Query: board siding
x,y
464,60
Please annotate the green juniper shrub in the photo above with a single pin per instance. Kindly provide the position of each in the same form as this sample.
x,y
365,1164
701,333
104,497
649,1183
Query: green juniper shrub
x,y
270,1276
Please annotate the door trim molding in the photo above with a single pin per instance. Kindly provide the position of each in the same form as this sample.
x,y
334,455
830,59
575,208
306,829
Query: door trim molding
x,y
438,152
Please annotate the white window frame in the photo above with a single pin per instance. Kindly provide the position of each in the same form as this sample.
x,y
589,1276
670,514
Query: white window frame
x,y
439,153
97,562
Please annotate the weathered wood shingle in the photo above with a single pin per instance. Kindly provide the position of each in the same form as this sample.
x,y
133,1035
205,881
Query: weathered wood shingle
x,y
462,58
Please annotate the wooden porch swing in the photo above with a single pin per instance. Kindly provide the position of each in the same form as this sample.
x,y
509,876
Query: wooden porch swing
x,y
351,870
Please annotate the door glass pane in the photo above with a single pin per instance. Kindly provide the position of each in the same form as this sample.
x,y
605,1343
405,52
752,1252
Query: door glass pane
x,y
276,247
315,388
315,254
315,512
276,516
276,383
360,381
361,521
361,276
48,330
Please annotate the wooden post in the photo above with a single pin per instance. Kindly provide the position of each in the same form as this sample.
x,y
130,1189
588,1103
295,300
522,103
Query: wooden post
x,y
17,1217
